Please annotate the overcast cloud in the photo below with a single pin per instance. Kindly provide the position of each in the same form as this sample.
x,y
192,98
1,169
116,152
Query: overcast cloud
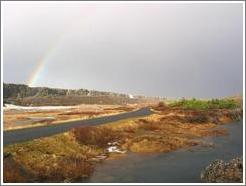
x,y
173,50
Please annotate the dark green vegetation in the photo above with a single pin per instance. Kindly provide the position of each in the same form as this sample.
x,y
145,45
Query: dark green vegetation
x,y
21,91
70,100
205,105
43,96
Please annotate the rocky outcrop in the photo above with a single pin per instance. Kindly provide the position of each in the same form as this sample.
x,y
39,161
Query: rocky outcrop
x,y
235,114
224,172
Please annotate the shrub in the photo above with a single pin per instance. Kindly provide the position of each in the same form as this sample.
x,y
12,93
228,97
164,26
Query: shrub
x,y
203,105
14,172
130,129
143,121
151,126
99,136
161,104
53,159
70,169
199,118
223,104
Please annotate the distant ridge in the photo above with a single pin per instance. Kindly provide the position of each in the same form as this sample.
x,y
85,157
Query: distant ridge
x,y
21,90
24,95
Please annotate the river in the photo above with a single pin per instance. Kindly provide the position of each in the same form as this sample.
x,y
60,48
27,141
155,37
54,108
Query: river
x,y
181,166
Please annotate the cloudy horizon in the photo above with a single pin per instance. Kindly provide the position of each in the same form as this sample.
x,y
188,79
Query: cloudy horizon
x,y
152,49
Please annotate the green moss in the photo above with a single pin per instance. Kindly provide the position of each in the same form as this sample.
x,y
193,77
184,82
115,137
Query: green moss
x,y
203,105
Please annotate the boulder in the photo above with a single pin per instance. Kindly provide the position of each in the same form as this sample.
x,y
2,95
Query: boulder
x,y
223,172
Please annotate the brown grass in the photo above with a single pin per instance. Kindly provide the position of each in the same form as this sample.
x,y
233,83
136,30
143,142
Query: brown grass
x,y
12,172
14,119
123,108
67,157
71,168
82,113
99,136
52,159
166,132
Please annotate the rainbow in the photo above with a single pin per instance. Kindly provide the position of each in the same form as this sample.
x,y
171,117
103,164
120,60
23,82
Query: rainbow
x,y
37,73
33,79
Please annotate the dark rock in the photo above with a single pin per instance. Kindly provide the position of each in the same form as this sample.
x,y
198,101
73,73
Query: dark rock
x,y
14,171
7,155
224,172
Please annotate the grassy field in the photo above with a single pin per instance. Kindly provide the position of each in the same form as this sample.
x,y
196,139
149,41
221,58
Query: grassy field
x,y
22,117
72,156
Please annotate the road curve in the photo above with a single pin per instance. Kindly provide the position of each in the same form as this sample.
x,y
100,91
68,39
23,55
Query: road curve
x,y
26,134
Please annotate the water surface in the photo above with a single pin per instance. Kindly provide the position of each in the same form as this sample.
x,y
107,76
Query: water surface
x,y
179,166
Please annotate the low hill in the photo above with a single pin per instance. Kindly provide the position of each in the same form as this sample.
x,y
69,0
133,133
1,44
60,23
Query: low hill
x,y
21,94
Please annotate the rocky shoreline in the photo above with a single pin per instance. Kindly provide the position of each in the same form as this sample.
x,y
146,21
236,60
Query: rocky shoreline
x,y
224,172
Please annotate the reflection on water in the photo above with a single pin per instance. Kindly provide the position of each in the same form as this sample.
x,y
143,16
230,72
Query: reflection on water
x,y
179,166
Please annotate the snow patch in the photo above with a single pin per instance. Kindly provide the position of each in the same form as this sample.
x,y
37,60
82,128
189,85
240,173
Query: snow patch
x,y
114,148
42,118
17,107
131,96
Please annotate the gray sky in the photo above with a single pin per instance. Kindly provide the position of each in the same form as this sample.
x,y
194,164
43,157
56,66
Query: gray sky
x,y
173,50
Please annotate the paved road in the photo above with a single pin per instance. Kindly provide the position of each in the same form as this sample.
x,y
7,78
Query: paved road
x,y
21,135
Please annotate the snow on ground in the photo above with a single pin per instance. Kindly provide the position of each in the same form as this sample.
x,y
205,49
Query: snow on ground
x,y
42,118
114,148
17,107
